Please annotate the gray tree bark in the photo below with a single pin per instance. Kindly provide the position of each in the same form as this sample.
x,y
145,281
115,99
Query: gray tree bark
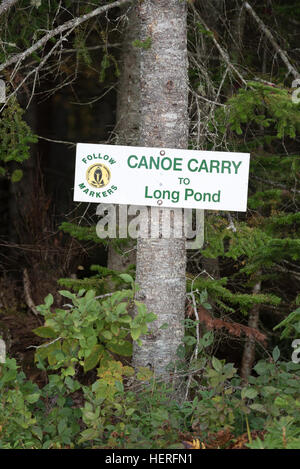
x,y
163,123
128,116
128,106
238,33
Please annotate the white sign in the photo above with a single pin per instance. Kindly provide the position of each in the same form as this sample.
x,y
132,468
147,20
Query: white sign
x,y
161,177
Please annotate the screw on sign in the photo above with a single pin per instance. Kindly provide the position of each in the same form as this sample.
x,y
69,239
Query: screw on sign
x,y
168,177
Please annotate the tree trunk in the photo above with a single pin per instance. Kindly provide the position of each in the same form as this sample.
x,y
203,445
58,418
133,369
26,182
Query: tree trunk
x,y
249,348
237,34
128,107
163,123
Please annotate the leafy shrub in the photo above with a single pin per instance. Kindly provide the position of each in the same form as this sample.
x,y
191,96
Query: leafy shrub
x,y
91,328
18,424
118,407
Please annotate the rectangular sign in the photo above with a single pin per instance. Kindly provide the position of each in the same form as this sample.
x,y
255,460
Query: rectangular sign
x,y
161,177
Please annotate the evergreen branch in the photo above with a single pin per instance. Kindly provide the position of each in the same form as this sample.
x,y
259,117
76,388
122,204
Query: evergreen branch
x,y
270,36
18,58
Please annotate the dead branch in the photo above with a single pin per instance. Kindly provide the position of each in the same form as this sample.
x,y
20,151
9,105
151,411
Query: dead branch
x,y
18,58
45,345
270,36
28,299
296,275
276,184
6,5
233,328
64,142
224,54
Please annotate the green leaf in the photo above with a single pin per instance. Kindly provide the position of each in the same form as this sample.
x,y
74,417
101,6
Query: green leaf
x,y
92,360
67,294
121,308
17,175
70,371
90,294
189,340
49,300
258,407
150,317
216,364
38,432
164,326
31,398
144,373
89,434
141,307
261,367
72,384
61,427
207,339
146,44
276,354
126,319
135,333
115,329
53,352
125,349
250,393
180,352
107,335
119,386
45,332
126,278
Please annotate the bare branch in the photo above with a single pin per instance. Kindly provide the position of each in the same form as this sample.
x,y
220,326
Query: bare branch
x,y
45,345
101,46
28,298
224,54
231,225
60,29
269,35
6,5
64,142
41,64
275,184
